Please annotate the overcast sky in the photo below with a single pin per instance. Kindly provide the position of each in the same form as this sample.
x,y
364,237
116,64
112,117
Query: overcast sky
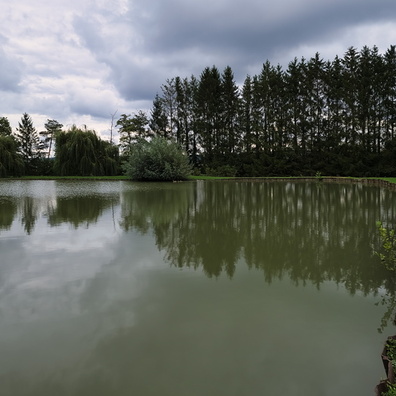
x,y
79,61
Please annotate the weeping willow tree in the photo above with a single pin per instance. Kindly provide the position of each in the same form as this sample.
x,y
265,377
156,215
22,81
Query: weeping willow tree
x,y
11,162
81,152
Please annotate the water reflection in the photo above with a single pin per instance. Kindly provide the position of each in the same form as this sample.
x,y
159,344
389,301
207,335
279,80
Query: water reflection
x,y
79,211
88,307
8,210
306,231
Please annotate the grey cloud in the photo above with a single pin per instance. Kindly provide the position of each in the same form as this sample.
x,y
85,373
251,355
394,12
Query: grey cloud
x,y
89,31
238,34
10,72
249,28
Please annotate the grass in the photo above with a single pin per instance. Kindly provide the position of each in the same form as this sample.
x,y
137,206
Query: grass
x,y
201,177
71,178
389,179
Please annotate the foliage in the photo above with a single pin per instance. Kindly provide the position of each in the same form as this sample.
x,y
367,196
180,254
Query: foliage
x,y
157,160
11,162
52,127
222,170
81,152
132,128
387,255
391,349
336,117
390,390
5,127
388,246
29,144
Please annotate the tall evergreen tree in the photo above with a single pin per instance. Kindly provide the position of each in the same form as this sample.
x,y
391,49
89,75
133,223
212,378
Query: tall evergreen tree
x,y
246,115
297,105
29,144
169,107
389,93
158,119
230,136
316,108
5,127
350,93
209,110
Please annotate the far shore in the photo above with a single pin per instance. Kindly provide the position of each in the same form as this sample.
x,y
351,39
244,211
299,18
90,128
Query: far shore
x,y
376,181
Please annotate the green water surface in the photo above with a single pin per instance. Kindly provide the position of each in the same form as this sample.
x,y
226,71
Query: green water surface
x,y
191,289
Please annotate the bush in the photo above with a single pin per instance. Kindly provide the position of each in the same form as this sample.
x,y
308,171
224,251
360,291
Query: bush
x,y
157,160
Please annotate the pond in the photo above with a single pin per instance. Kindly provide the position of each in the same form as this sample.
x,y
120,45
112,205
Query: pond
x,y
195,288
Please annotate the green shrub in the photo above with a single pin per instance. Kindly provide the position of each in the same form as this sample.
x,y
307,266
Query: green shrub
x,y
387,254
157,160
222,171
391,390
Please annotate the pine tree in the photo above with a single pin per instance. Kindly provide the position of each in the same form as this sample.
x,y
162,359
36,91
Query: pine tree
x,y
350,64
230,136
209,110
5,127
389,94
169,107
158,120
246,115
315,85
51,128
29,144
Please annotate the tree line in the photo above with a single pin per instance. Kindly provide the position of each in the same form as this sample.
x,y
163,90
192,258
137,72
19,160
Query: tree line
x,y
334,117
78,151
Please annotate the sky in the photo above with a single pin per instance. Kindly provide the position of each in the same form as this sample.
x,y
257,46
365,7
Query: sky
x,y
86,62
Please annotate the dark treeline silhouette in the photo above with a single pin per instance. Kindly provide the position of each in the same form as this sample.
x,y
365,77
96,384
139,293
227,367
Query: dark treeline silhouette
x,y
334,117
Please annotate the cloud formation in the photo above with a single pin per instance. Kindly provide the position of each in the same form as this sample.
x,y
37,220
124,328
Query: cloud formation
x,y
80,61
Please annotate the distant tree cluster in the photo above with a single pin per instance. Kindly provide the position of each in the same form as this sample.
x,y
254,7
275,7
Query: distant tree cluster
x,y
78,151
334,117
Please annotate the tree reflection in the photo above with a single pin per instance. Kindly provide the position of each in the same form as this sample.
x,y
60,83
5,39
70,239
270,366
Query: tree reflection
x,y
306,232
29,211
8,210
79,210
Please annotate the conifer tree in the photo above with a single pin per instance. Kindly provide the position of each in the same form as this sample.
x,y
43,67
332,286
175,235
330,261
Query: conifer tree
x,y
158,120
29,144
51,128
230,102
5,127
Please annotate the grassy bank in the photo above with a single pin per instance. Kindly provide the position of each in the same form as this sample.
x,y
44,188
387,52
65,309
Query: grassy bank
x,y
201,177
68,178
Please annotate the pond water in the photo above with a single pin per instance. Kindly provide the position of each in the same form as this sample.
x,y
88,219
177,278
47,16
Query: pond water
x,y
196,288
